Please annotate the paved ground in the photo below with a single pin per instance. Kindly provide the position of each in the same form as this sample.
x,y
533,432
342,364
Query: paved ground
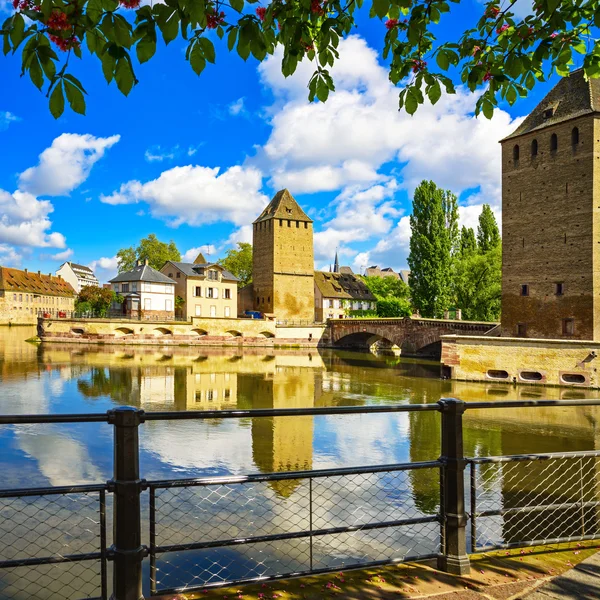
x,y
528,574
581,583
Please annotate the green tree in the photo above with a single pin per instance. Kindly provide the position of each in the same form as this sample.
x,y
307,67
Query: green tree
x,y
433,243
477,285
239,262
393,307
393,296
468,243
151,248
488,234
96,299
505,54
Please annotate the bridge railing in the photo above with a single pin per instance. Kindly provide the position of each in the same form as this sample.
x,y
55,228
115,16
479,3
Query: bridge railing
x,y
231,529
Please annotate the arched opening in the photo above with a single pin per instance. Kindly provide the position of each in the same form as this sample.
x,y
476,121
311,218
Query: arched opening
x,y
553,143
497,374
123,331
534,148
531,376
516,152
160,331
575,136
234,333
267,334
77,331
199,332
573,378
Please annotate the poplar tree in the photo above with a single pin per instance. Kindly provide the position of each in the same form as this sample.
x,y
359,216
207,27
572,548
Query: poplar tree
x,y
468,243
488,234
433,244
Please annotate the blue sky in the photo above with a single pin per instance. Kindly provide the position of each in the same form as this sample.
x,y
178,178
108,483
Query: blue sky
x,y
195,159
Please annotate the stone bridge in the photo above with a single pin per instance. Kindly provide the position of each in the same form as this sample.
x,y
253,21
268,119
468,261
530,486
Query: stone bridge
x,y
412,336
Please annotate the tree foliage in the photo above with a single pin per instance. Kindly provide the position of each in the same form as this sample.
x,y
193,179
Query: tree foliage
x,y
151,248
468,243
505,54
488,234
239,262
477,283
95,299
393,307
433,243
393,296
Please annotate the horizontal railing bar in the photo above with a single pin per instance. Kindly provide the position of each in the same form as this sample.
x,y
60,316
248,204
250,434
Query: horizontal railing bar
x,y
532,403
53,491
49,560
527,544
260,579
520,457
285,475
536,508
286,412
294,535
67,418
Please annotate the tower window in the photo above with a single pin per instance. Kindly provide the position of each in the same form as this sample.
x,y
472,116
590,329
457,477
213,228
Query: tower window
x,y
280,222
553,143
297,224
559,289
524,290
534,148
521,329
289,223
516,152
548,113
568,326
305,225
575,136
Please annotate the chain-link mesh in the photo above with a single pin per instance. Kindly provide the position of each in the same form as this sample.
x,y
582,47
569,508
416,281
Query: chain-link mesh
x,y
50,546
538,498
296,525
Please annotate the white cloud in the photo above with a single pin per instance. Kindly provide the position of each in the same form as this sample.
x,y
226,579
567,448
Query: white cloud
x,y
65,165
208,250
9,257
6,118
104,268
240,235
237,108
198,195
63,255
158,154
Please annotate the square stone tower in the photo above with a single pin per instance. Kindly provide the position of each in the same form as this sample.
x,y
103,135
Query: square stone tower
x,y
551,216
283,268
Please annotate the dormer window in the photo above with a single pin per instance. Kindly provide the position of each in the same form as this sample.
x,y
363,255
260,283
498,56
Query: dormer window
x,y
549,113
288,210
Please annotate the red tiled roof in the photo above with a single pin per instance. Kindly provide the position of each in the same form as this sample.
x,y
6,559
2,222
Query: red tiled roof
x,y
15,280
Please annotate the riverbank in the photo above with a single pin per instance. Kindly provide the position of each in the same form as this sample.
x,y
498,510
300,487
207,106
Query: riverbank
x,y
499,575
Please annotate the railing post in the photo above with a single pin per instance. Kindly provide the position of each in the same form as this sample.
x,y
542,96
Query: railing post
x,y
454,558
127,550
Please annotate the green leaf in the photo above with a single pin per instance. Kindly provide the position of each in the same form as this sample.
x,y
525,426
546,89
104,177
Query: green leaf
x,y
442,60
208,49
434,92
124,76
94,11
231,38
122,31
511,95
170,27
380,8
75,97
237,5
146,48
108,66
322,90
197,59
410,102
57,101
487,108
35,72
48,65
17,31
75,81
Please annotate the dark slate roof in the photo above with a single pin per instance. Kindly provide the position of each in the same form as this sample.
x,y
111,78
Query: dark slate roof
x,y
81,267
15,280
191,269
342,285
283,206
571,97
142,273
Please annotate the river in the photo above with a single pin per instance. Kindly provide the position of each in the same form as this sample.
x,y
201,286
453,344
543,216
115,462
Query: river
x,y
75,378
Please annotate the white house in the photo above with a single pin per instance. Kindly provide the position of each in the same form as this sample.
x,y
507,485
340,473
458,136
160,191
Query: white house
x,y
148,293
77,275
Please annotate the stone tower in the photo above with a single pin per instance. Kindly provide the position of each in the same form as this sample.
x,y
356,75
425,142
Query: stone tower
x,y
283,269
551,216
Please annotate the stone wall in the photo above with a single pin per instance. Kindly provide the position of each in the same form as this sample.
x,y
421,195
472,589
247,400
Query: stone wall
x,y
550,218
200,331
516,360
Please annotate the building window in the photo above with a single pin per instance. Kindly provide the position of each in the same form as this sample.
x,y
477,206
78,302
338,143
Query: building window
x,y
210,292
178,275
124,287
330,303
553,143
521,330
305,225
575,136
20,297
134,286
289,223
568,326
147,303
559,289
213,311
227,294
198,291
524,290
227,311
171,275
534,148
516,153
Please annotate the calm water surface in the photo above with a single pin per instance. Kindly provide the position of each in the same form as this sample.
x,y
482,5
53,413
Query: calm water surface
x,y
74,378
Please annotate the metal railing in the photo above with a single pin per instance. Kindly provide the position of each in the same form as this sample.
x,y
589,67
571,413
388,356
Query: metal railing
x,y
213,531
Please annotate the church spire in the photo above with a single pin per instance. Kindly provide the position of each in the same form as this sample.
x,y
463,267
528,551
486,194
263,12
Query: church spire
x,y
336,264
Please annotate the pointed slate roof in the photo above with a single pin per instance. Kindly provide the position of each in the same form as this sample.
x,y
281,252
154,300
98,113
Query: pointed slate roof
x,y
571,97
336,264
283,206
142,273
